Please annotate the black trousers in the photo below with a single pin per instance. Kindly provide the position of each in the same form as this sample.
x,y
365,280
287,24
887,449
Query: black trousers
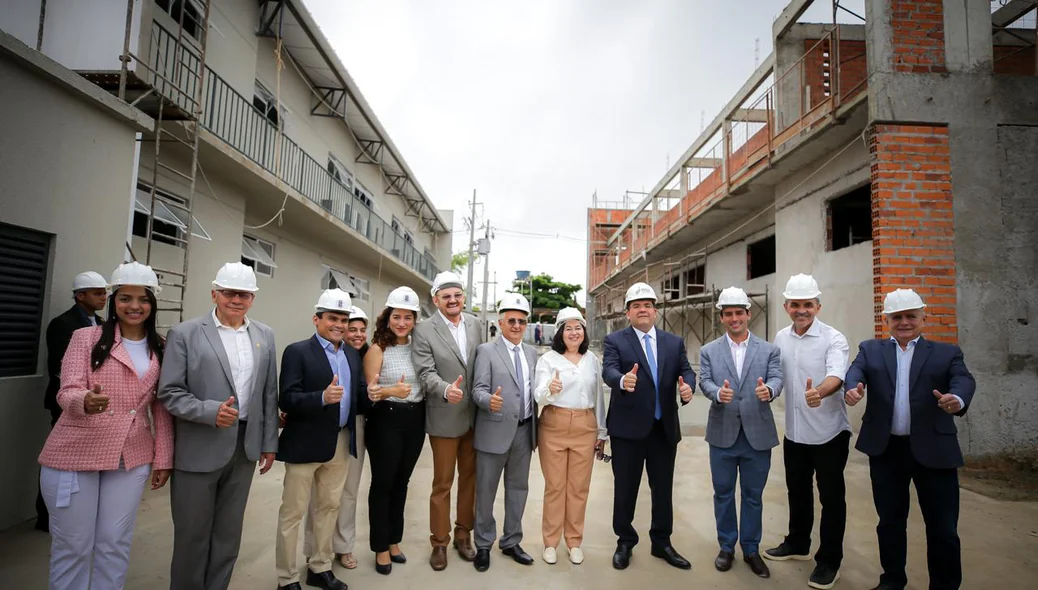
x,y
42,516
804,464
938,491
394,435
656,455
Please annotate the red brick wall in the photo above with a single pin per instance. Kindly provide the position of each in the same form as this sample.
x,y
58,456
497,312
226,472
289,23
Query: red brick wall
x,y
918,35
912,222
853,68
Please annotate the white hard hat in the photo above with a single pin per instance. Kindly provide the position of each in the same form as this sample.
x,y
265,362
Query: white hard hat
x,y
515,302
88,280
445,279
639,291
237,276
136,274
733,297
801,287
334,300
403,298
357,313
569,313
902,300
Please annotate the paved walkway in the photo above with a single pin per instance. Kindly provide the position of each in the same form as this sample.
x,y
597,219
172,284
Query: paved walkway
x,y
999,539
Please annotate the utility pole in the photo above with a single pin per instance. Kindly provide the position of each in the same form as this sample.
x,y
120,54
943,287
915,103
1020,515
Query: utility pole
x,y
484,249
472,244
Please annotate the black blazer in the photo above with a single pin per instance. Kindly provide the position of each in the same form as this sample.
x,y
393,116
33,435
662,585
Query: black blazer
x,y
311,427
59,334
932,433
631,415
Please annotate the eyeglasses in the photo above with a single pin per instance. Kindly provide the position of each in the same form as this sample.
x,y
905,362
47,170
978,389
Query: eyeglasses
x,y
452,297
601,456
516,321
243,295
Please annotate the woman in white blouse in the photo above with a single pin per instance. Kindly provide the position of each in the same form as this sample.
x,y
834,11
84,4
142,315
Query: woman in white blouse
x,y
570,429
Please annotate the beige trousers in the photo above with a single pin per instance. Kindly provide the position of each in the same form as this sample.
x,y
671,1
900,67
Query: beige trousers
x,y
566,446
326,480
345,534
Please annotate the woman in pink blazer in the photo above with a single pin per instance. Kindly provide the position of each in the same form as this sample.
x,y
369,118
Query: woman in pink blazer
x,y
112,435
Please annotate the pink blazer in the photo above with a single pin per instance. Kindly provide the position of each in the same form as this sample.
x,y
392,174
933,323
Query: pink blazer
x,y
95,442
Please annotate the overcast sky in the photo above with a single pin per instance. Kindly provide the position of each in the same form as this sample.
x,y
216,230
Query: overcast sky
x,y
538,104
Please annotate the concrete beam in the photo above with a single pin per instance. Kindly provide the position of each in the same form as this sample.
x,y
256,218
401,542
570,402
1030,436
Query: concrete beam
x,y
704,163
750,116
671,194
1011,12
788,17
803,31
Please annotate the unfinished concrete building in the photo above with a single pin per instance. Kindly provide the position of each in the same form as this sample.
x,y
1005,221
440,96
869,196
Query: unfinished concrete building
x,y
894,150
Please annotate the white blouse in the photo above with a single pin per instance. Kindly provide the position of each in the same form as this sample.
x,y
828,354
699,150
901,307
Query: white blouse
x,y
581,385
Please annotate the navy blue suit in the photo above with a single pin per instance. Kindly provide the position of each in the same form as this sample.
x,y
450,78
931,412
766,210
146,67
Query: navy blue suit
x,y
638,440
929,455
312,427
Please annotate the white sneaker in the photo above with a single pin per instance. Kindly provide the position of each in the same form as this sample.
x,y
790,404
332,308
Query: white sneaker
x,y
549,555
576,556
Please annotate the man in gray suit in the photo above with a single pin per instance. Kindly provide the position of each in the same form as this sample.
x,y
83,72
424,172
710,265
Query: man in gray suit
x,y
443,351
506,431
741,374
219,380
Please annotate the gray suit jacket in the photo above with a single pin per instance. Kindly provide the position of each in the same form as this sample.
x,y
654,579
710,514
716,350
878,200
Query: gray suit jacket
x,y
745,410
494,368
196,379
438,362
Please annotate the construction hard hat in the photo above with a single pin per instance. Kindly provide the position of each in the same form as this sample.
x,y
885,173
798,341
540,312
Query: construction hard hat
x,y
515,302
237,276
902,300
569,313
135,274
334,300
403,298
801,287
88,280
445,279
357,313
639,291
733,297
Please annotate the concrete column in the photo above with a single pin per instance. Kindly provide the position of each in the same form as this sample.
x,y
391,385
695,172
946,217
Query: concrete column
x,y
967,36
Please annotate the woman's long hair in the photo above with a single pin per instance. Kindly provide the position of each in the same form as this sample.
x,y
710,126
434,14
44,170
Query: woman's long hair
x,y
384,337
104,345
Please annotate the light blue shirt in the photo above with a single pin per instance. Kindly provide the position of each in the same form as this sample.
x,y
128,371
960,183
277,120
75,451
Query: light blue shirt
x,y
901,425
341,367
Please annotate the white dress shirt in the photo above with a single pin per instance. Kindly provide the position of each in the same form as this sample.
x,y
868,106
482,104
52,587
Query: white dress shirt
x,y
458,333
238,345
821,352
901,425
738,350
524,386
581,385
652,340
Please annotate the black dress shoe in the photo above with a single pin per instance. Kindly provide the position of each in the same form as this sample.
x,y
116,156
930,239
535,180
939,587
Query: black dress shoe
x,y
757,565
386,569
516,552
724,560
292,586
671,556
482,560
325,580
398,558
785,552
622,557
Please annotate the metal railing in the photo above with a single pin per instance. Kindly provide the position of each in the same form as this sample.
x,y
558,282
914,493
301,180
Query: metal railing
x,y
231,117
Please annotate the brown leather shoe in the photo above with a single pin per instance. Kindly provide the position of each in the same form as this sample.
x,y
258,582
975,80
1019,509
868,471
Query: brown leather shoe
x,y
465,549
757,565
438,559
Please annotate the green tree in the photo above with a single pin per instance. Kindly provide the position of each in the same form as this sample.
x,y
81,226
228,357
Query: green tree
x,y
459,261
547,292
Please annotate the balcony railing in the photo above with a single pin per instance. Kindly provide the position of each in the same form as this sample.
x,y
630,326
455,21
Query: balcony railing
x,y
233,118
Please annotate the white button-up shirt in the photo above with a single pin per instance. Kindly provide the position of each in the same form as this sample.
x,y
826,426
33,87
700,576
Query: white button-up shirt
x,y
738,350
901,424
581,385
821,352
458,333
652,342
238,345
524,384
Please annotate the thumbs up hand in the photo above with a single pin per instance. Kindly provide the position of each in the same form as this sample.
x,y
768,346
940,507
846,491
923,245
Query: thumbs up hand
x,y
496,401
726,394
375,390
947,402
812,395
227,414
853,396
454,392
95,402
762,391
555,385
684,390
402,389
630,379
333,393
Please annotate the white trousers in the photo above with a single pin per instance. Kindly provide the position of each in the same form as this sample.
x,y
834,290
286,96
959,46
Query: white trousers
x,y
92,514
346,524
